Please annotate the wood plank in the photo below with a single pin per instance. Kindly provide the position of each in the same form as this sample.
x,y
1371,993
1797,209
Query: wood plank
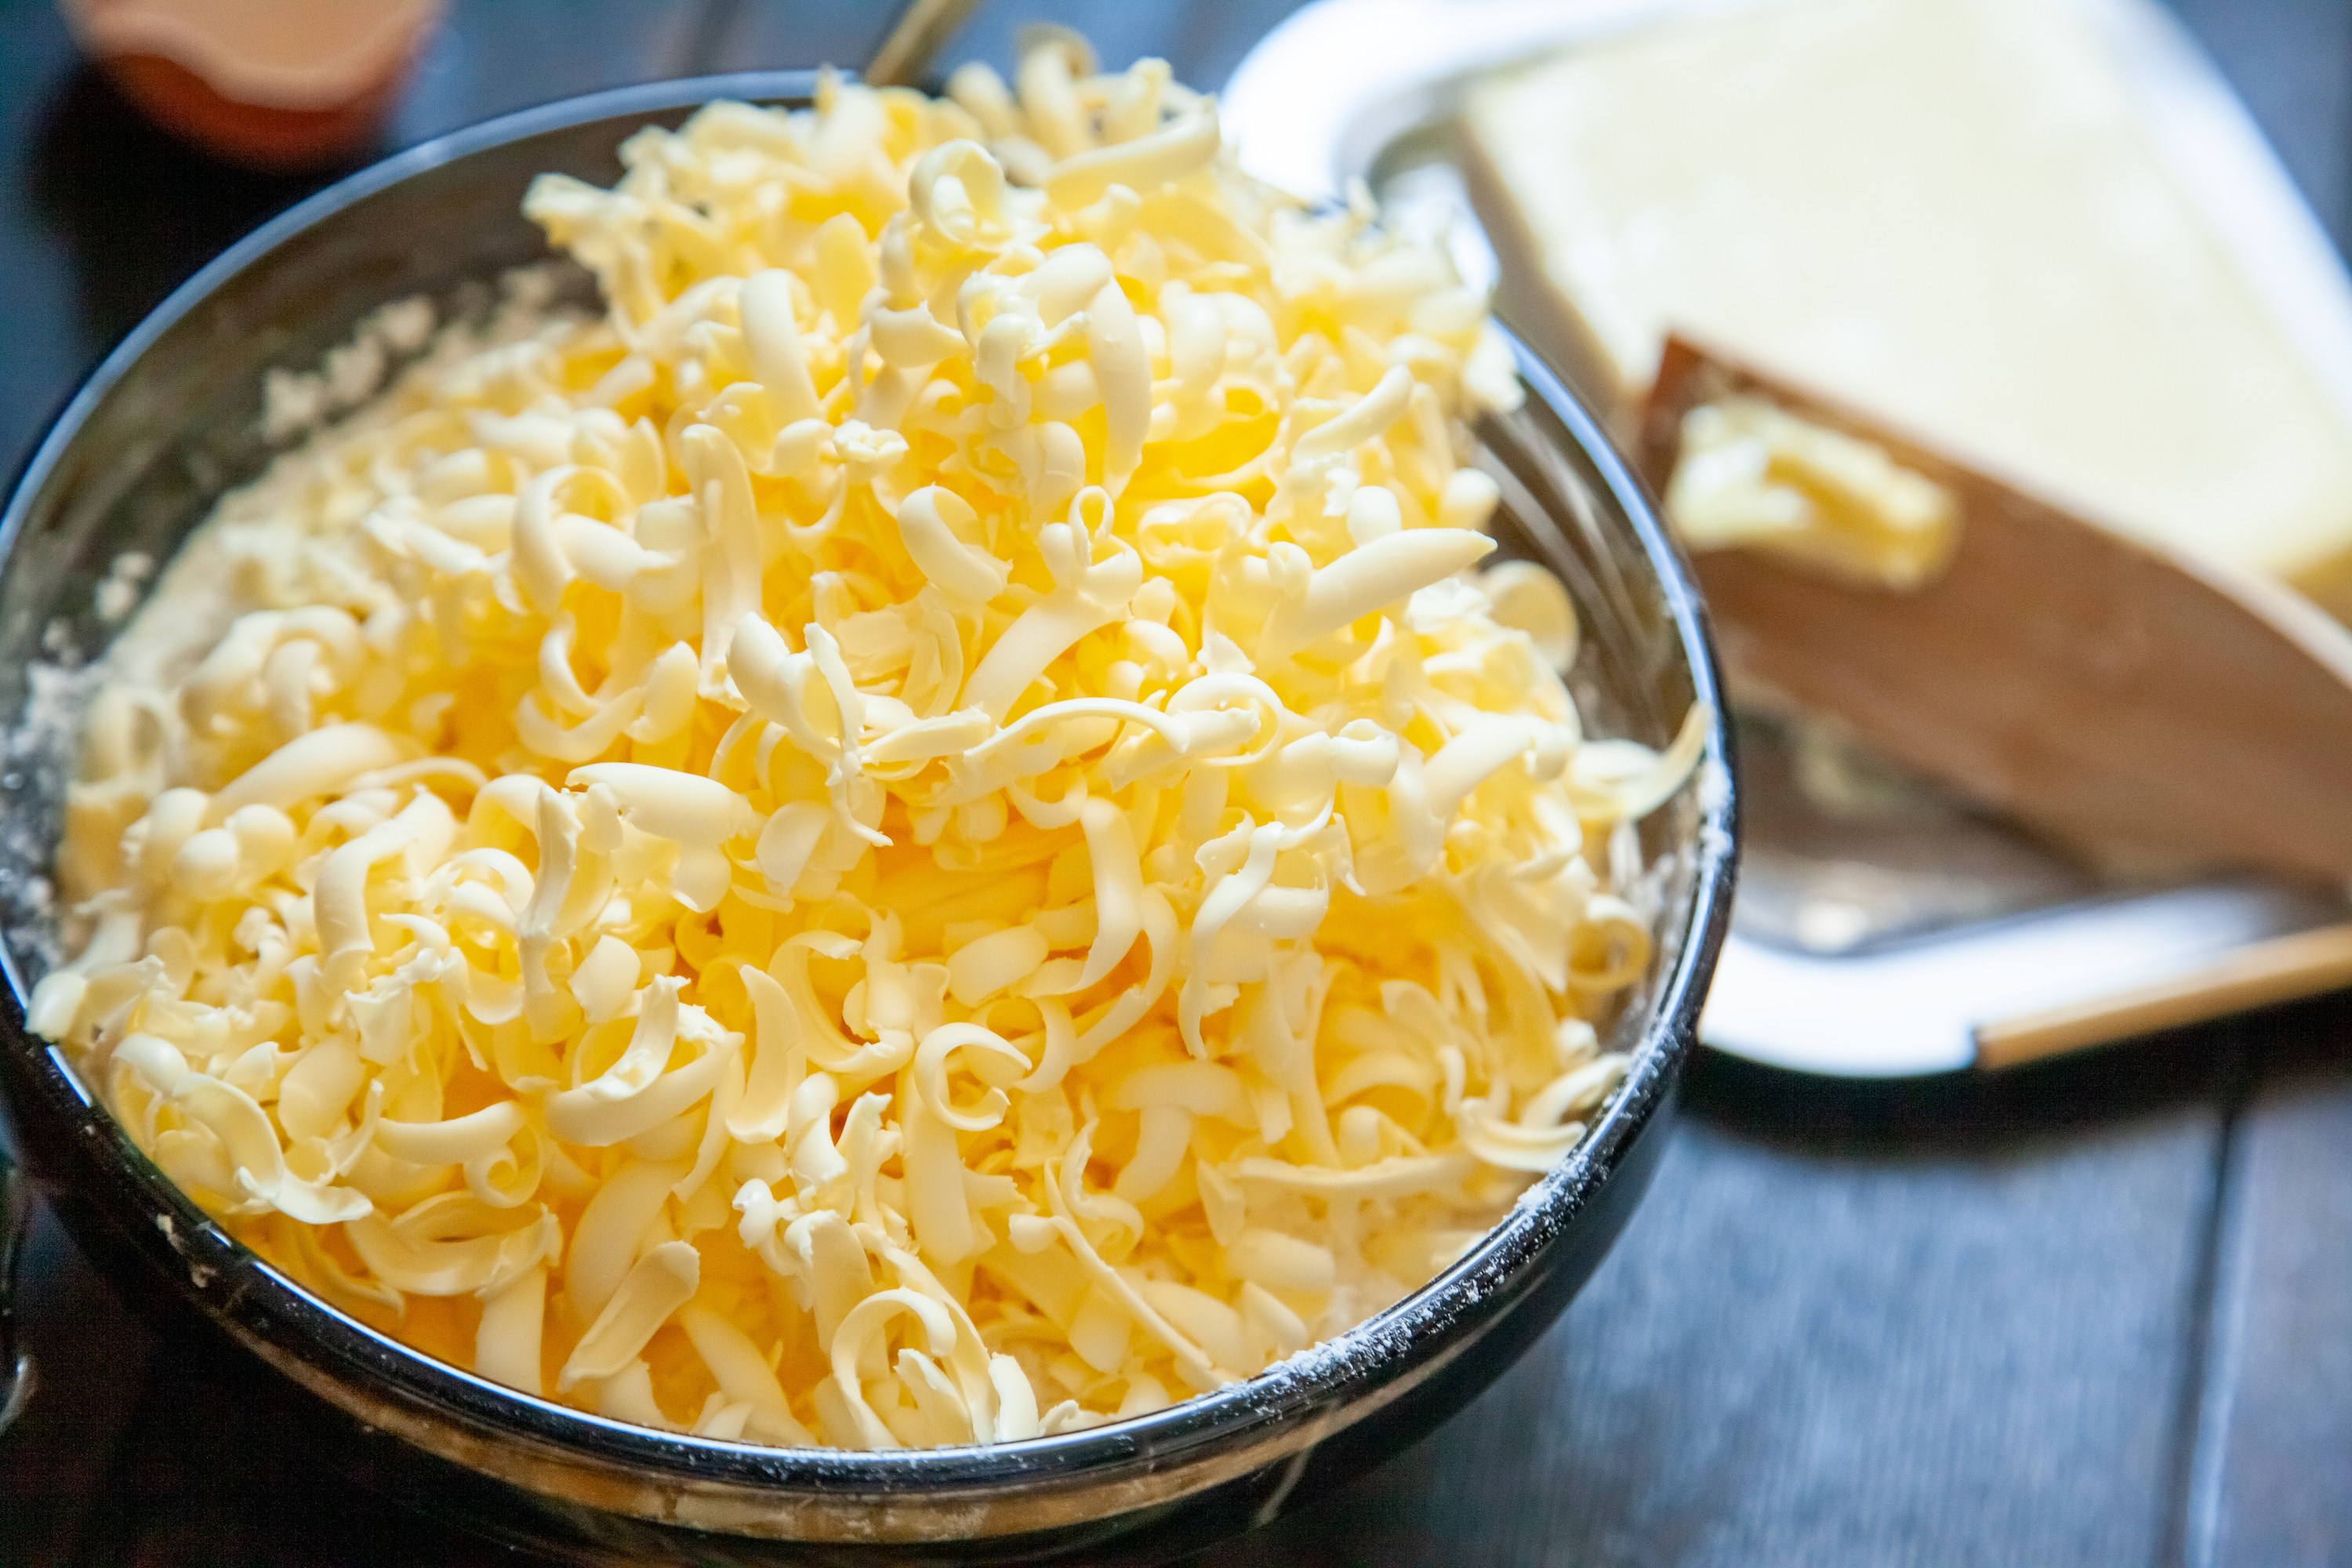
x,y
1964,1350
221,1463
91,1359
2275,1439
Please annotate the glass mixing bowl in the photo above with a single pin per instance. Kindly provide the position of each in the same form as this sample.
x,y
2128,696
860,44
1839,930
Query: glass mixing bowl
x,y
172,418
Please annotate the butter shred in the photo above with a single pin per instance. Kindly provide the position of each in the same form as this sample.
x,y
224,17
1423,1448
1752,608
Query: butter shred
x,y
925,832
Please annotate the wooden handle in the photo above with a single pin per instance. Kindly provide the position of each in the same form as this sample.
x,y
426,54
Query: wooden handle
x,y
2159,714
914,41
2282,969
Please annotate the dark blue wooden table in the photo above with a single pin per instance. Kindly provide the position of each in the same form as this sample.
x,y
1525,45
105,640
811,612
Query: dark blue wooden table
x,y
2095,1313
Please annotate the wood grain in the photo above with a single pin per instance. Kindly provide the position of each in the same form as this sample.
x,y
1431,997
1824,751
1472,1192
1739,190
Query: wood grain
x,y
2157,713
2261,974
1800,1356
2276,1409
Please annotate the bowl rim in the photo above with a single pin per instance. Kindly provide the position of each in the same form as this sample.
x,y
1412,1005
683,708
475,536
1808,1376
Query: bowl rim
x,y
266,1309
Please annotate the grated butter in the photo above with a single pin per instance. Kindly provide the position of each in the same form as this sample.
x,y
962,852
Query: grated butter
x,y
922,833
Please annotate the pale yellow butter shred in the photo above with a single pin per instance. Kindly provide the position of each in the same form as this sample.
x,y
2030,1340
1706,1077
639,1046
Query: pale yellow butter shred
x,y
918,835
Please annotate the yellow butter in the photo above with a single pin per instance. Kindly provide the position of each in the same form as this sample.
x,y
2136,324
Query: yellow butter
x,y
1750,474
1952,213
811,858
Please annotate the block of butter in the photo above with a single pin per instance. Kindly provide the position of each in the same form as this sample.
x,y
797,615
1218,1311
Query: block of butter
x,y
1960,215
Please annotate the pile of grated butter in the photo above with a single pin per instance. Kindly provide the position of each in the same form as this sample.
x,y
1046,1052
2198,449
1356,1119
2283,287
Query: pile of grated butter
x,y
918,835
